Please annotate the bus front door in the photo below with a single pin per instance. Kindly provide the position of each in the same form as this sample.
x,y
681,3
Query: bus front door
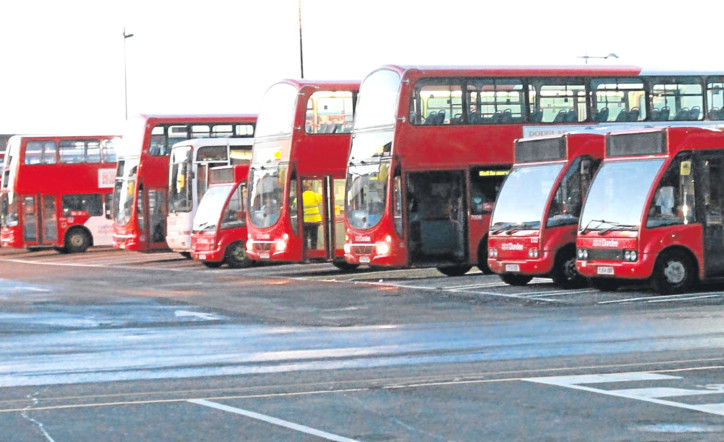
x,y
151,217
437,217
712,182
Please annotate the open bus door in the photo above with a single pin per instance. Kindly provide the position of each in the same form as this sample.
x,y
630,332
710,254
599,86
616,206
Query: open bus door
x,y
712,166
151,217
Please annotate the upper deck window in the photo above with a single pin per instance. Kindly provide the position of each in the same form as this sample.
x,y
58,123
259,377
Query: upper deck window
x,y
378,100
677,99
618,99
277,111
715,97
40,152
330,112
557,100
79,151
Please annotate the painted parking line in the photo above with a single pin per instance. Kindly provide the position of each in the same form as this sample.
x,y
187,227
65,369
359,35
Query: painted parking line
x,y
666,298
646,394
271,420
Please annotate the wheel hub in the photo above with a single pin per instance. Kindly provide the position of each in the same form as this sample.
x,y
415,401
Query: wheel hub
x,y
674,272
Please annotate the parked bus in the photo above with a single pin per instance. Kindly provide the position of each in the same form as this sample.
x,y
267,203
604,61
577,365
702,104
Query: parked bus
x,y
190,162
141,186
298,172
654,210
431,146
534,223
219,227
56,192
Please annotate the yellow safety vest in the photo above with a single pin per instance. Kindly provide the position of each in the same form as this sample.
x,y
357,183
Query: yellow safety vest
x,y
311,201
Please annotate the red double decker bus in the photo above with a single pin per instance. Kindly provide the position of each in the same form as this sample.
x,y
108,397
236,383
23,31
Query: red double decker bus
x,y
431,146
654,210
298,171
56,192
141,187
219,232
534,223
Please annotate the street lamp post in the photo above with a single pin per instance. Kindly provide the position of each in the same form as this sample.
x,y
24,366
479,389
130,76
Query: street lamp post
x,y
587,57
125,71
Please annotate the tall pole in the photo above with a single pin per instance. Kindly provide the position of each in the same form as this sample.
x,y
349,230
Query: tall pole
x,y
125,71
301,47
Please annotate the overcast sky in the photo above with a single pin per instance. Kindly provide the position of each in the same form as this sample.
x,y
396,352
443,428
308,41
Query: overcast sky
x,y
63,60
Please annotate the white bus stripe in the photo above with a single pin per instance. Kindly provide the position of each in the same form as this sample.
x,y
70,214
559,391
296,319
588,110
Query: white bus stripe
x,y
271,420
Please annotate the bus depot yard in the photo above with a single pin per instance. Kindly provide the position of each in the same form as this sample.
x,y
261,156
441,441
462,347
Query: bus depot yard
x,y
120,345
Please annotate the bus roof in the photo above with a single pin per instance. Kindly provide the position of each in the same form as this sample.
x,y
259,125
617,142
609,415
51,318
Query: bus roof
x,y
181,118
512,70
322,84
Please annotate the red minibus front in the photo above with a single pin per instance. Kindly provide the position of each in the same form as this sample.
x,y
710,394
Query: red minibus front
x,y
533,227
654,210
219,231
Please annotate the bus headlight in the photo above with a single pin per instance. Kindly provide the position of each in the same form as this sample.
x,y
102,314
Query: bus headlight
x,y
533,253
630,255
492,252
383,248
280,245
347,248
249,244
582,254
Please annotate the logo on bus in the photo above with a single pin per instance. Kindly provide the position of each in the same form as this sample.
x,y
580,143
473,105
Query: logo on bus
x,y
362,239
106,178
605,243
511,246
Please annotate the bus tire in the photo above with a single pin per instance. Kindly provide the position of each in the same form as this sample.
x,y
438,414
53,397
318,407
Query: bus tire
x,y
344,265
77,240
236,256
564,272
515,278
674,272
604,284
457,270
212,264
483,257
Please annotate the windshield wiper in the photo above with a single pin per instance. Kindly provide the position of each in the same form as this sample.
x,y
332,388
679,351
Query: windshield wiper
x,y
512,228
599,221
617,226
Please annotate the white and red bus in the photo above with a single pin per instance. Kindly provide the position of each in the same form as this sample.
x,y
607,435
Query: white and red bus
x,y
655,210
141,188
534,223
190,162
56,192
431,146
219,227
298,171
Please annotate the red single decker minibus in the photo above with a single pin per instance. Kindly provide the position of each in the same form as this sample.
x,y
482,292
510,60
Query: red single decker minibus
x,y
141,189
298,170
534,223
431,146
654,210
219,232
56,192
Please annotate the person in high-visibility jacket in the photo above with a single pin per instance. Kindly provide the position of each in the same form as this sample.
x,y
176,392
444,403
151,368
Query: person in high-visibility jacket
x,y
311,201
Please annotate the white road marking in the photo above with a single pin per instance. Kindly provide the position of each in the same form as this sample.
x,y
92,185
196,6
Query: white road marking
x,y
271,420
202,316
642,394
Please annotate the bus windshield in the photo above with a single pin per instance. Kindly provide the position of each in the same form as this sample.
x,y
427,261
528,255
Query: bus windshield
x,y
266,195
378,99
522,199
366,194
617,196
180,198
210,207
132,142
124,190
277,112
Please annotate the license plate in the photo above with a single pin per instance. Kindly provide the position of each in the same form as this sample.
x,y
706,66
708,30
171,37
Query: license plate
x,y
263,255
604,270
512,268
202,257
364,259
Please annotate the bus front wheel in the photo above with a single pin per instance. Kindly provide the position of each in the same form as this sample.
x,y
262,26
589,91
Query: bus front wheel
x,y
673,273
236,256
77,241
564,272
